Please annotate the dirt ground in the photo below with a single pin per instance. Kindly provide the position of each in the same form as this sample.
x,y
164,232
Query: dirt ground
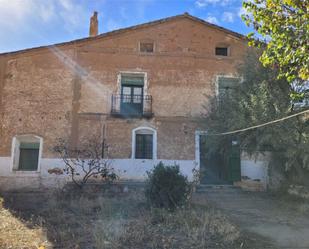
x,y
219,218
117,220
282,221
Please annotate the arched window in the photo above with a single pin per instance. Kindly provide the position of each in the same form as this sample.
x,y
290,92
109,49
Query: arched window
x,y
144,143
26,152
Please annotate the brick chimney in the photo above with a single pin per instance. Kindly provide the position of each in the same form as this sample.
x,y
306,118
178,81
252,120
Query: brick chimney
x,y
93,29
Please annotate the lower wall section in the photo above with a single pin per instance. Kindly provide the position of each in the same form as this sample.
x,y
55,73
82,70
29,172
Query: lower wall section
x,y
127,169
254,169
136,169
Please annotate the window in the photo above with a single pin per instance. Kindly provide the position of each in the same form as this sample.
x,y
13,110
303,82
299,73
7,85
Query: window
x,y
26,152
146,47
227,86
144,143
132,88
143,146
222,51
29,156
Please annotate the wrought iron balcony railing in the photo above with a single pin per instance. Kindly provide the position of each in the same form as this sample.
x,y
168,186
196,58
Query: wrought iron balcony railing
x,y
127,105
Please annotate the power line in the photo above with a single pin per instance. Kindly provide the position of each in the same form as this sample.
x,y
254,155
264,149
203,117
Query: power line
x,y
260,125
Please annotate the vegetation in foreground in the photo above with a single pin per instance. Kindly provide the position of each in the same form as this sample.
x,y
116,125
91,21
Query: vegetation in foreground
x,y
108,221
260,98
18,233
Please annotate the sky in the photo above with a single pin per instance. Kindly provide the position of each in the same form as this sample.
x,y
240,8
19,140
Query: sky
x,y
33,23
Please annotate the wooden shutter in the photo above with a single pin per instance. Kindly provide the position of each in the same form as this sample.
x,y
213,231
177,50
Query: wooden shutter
x,y
29,156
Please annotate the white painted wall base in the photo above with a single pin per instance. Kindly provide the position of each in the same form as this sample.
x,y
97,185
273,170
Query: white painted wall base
x,y
127,169
255,167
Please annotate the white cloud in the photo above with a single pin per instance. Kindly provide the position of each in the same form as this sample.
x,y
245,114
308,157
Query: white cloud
x,y
73,15
16,13
212,19
204,3
228,17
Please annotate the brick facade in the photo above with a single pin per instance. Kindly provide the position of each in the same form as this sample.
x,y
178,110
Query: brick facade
x,y
64,91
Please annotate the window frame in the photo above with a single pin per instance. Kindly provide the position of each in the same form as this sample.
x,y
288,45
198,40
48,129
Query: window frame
x,y
142,152
146,131
220,46
146,41
225,76
15,152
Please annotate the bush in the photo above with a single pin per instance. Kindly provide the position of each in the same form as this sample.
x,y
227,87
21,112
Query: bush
x,y
166,187
86,162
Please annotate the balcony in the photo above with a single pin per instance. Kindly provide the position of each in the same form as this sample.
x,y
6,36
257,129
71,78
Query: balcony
x,y
129,106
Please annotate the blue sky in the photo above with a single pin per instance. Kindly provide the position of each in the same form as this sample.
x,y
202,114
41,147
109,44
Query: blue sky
x,y
32,23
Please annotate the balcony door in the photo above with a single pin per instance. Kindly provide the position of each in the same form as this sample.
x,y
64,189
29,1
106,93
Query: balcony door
x,y
132,100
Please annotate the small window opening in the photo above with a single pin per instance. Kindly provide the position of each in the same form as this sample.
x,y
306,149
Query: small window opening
x,y
146,47
26,152
222,51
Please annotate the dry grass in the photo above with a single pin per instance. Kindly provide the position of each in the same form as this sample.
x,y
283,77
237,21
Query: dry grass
x,y
109,222
19,234
194,228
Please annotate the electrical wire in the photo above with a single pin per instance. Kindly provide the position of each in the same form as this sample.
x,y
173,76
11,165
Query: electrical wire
x,y
260,125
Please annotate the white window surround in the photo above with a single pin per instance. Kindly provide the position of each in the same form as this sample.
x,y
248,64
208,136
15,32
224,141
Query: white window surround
x,y
15,151
223,45
227,76
146,41
149,130
133,73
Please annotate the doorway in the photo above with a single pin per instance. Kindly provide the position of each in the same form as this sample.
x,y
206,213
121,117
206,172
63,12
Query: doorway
x,y
218,167
131,100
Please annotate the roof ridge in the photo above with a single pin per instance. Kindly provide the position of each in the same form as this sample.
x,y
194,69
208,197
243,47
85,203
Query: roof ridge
x,y
134,27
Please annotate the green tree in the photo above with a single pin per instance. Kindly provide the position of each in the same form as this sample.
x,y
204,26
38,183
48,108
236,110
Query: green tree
x,y
261,97
285,26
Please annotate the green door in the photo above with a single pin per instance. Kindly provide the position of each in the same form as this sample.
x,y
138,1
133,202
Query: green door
x,y
234,164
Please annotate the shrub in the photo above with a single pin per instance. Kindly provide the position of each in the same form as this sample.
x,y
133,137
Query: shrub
x,y
86,162
166,187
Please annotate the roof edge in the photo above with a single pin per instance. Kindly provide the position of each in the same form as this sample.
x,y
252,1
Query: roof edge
x,y
122,30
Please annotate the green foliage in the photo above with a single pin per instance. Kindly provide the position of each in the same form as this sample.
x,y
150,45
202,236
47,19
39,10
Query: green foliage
x,y
261,98
284,23
166,187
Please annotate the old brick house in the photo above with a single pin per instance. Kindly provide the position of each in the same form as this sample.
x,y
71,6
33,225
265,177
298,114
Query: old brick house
x,y
142,87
